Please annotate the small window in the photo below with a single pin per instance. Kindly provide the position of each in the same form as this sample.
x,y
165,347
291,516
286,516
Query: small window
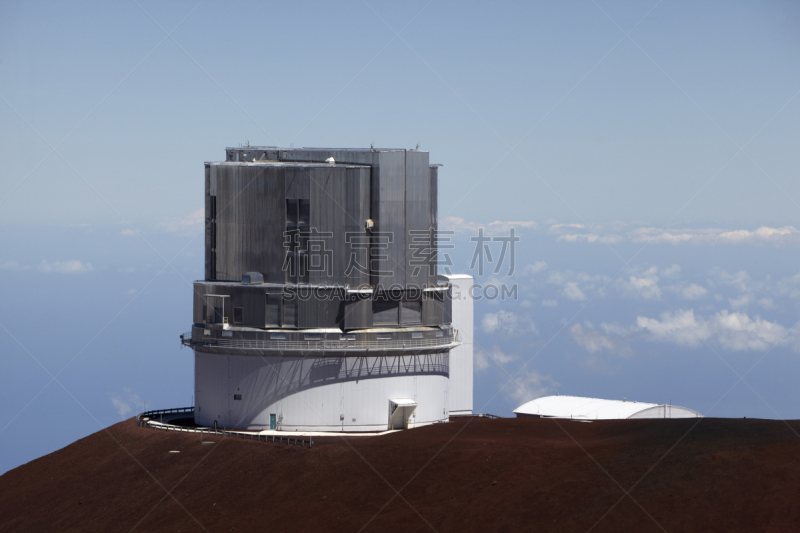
x,y
313,336
350,337
237,396
440,333
278,336
238,315
384,336
417,335
227,334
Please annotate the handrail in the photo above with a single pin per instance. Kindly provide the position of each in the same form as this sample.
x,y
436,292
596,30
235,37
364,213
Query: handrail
x,y
321,345
476,415
145,419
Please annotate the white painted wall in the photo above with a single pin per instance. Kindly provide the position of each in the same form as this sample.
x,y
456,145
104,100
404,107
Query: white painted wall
x,y
461,357
307,393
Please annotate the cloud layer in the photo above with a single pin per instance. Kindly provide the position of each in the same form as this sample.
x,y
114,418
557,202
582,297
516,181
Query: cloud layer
x,y
65,267
734,331
617,232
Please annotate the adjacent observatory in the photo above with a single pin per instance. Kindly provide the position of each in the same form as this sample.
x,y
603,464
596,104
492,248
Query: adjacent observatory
x,y
321,307
577,408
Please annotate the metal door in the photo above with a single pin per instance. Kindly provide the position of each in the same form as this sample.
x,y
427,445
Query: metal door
x,y
272,423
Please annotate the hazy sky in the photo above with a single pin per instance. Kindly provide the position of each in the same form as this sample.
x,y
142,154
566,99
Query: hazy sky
x,y
646,152
603,127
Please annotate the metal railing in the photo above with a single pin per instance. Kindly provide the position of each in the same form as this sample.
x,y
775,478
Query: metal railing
x,y
476,415
147,418
322,345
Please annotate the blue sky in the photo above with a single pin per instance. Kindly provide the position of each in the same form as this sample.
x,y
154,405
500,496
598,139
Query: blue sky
x,y
645,152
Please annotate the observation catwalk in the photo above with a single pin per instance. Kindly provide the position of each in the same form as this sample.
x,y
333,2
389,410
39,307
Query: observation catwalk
x,y
321,307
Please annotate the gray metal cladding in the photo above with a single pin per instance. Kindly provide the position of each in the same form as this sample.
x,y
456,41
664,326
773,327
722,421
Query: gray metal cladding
x,y
388,212
358,313
417,218
209,266
447,307
248,216
249,221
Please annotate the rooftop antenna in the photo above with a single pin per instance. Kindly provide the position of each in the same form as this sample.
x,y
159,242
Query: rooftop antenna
x,y
248,144
417,148
372,146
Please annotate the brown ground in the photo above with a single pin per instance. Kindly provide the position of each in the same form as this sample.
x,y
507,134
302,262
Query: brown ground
x,y
477,475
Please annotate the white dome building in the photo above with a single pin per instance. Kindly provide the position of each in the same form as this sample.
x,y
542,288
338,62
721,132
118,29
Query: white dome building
x,y
578,408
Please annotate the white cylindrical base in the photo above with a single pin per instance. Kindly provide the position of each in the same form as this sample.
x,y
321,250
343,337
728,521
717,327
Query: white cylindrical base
x,y
318,393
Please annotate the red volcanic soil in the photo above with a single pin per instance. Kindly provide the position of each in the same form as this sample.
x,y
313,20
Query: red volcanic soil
x,y
468,475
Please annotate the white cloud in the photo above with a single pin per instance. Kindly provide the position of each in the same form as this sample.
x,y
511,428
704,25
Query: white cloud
x,y
65,267
566,233
590,238
459,225
12,265
738,331
557,227
529,385
576,284
507,323
538,266
549,303
573,292
763,234
593,340
647,285
615,232
739,280
741,301
484,360
193,222
614,329
575,237
672,271
682,328
735,331
126,403
693,292
127,232
766,303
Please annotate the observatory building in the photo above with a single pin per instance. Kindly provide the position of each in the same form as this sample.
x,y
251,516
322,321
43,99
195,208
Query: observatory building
x,y
321,307
577,408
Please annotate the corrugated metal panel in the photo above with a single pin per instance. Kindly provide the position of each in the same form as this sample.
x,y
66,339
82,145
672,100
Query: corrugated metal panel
x,y
417,215
210,389
388,212
461,357
358,314
208,223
